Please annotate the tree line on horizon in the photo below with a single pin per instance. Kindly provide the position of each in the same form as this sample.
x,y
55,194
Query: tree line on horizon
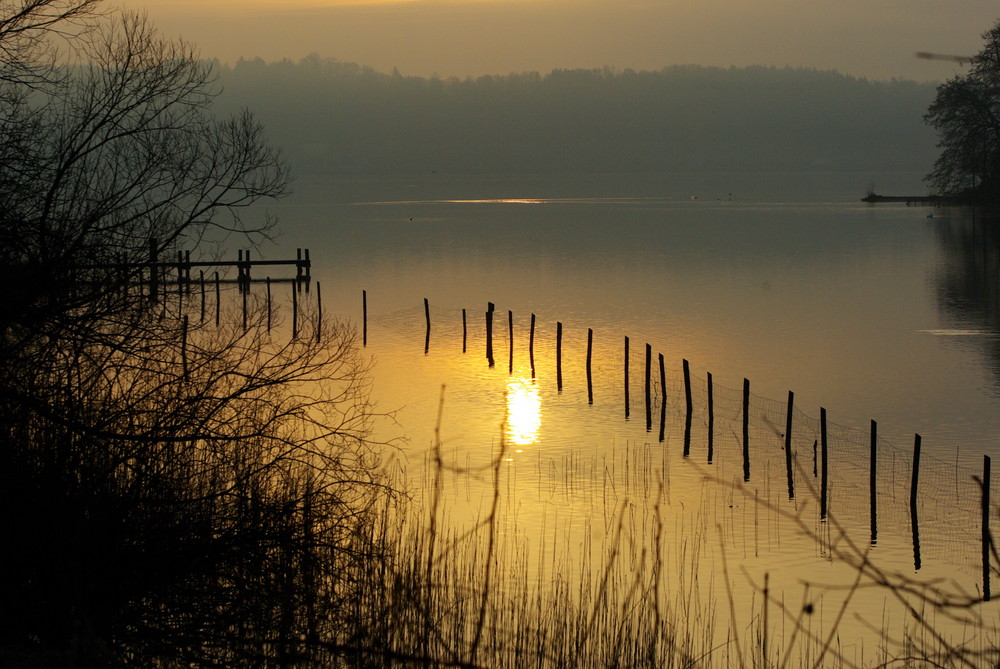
x,y
332,116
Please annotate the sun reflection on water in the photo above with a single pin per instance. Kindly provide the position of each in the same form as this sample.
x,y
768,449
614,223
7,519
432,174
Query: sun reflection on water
x,y
524,412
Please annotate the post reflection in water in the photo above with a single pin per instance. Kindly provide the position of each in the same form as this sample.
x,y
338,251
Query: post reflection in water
x,y
524,413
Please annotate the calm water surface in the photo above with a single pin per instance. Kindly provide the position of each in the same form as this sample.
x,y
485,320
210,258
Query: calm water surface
x,y
880,312
788,280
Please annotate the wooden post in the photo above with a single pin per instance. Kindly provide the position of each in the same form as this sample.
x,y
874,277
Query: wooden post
x,y
746,429
319,313
559,356
244,299
687,385
184,341
823,460
913,502
590,352
663,399
465,332
489,332
180,281
267,283
531,346
626,380
788,445
218,300
427,317
154,271
649,406
510,336
239,270
711,419
246,274
298,267
295,312
201,281
187,272
689,406
364,319
986,528
872,482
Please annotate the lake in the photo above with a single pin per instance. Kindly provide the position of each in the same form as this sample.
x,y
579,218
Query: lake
x,y
884,312
788,280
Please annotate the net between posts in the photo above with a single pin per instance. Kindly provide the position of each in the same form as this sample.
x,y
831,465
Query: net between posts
x,y
948,499
949,495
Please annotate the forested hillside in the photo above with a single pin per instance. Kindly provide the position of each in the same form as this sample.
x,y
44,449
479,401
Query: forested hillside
x,y
330,116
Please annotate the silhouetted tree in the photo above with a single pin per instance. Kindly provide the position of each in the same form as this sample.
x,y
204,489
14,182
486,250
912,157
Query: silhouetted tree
x,y
171,493
966,115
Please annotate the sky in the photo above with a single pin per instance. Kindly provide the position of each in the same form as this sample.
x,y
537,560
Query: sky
x,y
876,39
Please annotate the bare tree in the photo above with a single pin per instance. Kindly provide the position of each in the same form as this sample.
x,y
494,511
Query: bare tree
x,y
172,492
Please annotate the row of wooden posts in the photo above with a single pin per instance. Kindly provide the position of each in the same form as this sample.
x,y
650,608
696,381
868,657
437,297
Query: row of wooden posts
x,y
823,445
296,288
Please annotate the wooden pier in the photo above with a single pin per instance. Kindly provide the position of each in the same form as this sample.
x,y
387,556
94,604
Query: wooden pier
x,y
912,200
157,273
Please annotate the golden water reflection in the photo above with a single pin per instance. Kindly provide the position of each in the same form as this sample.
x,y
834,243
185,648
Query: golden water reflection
x,y
524,412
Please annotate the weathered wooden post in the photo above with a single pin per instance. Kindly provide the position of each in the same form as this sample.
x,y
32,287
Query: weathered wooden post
x,y
510,343
663,398
626,380
187,272
559,356
427,318
267,284
872,482
201,282
746,429
649,404
986,528
465,332
531,346
711,418
154,270
244,300
823,459
184,341
687,385
180,281
913,502
689,406
239,270
218,300
295,312
364,319
788,445
590,352
319,313
489,332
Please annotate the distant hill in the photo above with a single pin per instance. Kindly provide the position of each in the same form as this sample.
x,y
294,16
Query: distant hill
x,y
331,116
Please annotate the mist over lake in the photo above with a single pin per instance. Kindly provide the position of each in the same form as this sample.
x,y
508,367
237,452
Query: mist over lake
x,y
334,117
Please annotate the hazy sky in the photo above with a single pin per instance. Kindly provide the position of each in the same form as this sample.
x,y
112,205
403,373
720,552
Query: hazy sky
x,y
872,38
